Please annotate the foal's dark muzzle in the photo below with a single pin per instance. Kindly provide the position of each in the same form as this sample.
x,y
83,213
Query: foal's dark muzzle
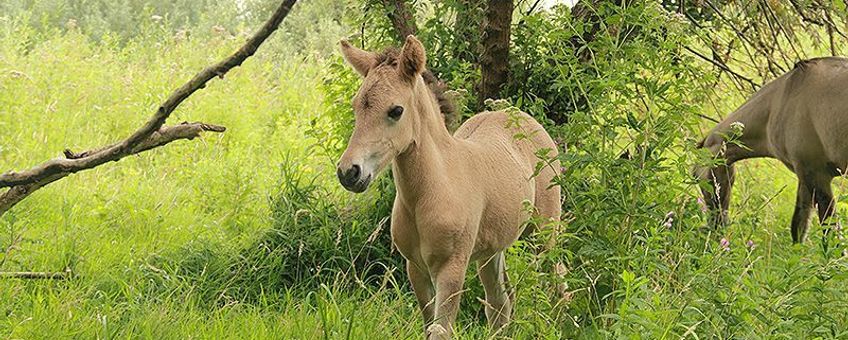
x,y
352,178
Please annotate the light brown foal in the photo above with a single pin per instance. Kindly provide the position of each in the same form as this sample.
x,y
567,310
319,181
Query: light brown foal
x,y
459,198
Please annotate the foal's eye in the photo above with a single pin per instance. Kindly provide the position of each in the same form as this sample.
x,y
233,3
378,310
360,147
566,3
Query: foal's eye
x,y
395,112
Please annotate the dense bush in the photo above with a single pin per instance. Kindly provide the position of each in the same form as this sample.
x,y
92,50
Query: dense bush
x,y
641,260
312,240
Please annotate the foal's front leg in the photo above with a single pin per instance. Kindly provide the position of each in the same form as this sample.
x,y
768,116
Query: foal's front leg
x,y
422,286
449,277
803,205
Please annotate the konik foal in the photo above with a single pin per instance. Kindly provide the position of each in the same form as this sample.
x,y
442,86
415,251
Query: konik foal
x,y
460,198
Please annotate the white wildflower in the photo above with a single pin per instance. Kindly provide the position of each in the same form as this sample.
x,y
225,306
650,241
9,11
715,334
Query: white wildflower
x,y
736,128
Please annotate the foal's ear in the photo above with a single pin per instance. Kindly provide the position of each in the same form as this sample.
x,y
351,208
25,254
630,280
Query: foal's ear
x,y
412,58
362,61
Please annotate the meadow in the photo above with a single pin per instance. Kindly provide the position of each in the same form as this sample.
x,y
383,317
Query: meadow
x,y
247,234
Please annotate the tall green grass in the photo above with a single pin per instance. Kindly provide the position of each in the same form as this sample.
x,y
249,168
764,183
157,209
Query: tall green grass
x,y
247,235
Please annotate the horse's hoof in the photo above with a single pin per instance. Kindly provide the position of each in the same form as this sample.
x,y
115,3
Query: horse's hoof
x,y
436,331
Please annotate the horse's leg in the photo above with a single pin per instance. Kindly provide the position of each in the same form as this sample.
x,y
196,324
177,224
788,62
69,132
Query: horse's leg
x,y
449,277
803,205
498,304
823,199
719,183
422,286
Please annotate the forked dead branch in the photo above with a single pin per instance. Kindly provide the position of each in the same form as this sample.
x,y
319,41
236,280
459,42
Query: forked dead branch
x,y
151,135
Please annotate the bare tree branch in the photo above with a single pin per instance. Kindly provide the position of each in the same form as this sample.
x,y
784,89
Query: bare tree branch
x,y
721,65
804,17
149,136
163,136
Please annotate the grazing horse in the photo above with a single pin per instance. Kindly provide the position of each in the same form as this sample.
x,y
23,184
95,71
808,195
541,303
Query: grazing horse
x,y
460,198
800,119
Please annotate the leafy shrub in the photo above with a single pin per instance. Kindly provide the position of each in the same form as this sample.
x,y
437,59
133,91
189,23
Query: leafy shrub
x,y
313,239
641,261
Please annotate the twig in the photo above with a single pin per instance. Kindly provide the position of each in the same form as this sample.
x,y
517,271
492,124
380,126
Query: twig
x,y
724,67
165,135
830,29
532,8
67,274
529,11
803,15
789,38
739,33
708,118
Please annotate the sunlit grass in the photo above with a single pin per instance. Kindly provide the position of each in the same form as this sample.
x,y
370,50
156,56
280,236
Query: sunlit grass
x,y
190,240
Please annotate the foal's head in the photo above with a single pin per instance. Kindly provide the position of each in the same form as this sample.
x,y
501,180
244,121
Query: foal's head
x,y
386,117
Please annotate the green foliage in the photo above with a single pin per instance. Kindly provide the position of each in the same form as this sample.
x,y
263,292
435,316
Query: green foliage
x,y
124,18
312,240
249,235
312,28
641,262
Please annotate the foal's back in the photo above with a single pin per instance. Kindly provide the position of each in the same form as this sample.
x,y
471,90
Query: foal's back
x,y
503,150
517,133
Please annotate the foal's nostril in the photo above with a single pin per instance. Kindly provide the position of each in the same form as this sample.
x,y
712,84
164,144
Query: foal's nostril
x,y
350,176
353,173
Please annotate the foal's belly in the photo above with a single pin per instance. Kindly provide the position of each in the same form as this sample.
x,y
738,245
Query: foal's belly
x,y
504,218
496,226
498,231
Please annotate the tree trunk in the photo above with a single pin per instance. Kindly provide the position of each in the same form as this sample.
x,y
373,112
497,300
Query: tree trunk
x,y
402,18
494,61
466,30
403,21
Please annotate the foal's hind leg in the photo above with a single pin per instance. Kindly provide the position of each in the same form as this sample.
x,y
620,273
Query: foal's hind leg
x,y
493,276
549,206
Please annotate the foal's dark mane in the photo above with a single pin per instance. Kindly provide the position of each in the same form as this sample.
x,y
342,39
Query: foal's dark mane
x,y
390,56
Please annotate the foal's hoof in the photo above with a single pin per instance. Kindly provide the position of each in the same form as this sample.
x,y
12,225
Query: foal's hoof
x,y
436,331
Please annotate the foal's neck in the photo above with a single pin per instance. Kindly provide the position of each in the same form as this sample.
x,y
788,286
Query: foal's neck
x,y
422,167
